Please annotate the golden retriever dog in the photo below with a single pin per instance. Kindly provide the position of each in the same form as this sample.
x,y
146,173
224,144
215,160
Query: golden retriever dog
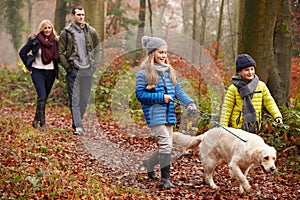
x,y
218,144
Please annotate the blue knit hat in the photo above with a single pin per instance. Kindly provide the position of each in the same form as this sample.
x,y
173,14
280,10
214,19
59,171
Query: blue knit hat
x,y
244,61
152,43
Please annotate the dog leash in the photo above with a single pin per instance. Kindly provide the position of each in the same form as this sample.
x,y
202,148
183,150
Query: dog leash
x,y
214,121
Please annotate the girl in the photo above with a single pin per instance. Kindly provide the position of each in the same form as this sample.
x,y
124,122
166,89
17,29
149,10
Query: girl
x,y
242,107
156,89
40,57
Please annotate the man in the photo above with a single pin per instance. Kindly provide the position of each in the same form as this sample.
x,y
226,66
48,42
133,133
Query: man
x,y
79,53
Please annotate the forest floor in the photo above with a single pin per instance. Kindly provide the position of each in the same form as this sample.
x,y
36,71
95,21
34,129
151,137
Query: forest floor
x,y
59,165
105,163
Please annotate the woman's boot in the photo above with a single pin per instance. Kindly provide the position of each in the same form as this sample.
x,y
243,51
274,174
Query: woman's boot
x,y
164,161
41,111
36,119
150,163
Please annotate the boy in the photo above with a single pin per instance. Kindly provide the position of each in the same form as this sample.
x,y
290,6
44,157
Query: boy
x,y
242,107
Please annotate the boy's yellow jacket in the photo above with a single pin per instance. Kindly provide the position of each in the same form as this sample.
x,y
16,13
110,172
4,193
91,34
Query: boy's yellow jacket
x,y
233,105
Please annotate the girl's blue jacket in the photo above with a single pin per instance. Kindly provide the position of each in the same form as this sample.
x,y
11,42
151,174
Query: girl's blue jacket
x,y
155,110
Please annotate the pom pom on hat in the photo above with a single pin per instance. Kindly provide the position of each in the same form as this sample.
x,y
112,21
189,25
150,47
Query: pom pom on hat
x,y
152,43
244,61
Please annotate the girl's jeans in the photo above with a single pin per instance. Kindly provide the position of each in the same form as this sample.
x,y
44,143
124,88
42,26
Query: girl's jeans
x,y
164,134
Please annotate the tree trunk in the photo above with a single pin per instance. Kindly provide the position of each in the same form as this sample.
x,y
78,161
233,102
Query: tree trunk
x,y
203,11
195,20
279,83
95,15
195,52
150,15
102,15
162,11
187,10
232,29
220,26
264,33
60,15
142,19
91,8
30,5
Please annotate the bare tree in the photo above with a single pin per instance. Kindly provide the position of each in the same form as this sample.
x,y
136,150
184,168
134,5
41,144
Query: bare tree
x,y
29,4
195,33
187,9
203,10
95,15
102,13
91,8
231,29
279,80
60,15
14,23
142,19
195,20
150,15
265,34
220,25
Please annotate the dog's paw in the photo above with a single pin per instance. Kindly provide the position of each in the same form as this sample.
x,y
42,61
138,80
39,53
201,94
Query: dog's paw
x,y
241,189
244,189
214,186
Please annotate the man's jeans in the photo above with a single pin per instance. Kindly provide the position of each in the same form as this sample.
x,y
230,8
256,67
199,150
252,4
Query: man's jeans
x,y
43,81
79,89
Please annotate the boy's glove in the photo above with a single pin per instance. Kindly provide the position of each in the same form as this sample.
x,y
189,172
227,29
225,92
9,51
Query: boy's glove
x,y
279,120
191,110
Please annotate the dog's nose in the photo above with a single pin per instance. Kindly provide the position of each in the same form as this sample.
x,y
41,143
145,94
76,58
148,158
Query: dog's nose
x,y
272,169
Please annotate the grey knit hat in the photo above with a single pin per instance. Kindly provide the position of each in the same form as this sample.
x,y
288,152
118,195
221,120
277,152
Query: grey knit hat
x,y
152,43
244,61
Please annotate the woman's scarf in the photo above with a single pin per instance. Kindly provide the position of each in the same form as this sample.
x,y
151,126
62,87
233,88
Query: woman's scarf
x,y
246,91
48,48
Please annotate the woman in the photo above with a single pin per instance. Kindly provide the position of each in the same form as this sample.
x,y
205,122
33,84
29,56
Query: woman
x,y
40,57
156,89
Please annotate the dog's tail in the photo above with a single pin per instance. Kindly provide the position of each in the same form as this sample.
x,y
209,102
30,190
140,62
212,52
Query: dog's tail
x,y
187,141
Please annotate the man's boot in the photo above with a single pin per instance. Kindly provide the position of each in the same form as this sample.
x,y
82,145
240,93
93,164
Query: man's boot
x,y
41,111
150,163
164,161
36,119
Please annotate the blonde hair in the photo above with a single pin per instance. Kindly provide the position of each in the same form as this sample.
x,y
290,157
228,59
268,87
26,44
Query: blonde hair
x,y
152,75
42,26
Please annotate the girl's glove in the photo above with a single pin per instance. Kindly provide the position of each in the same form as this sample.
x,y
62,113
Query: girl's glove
x,y
191,110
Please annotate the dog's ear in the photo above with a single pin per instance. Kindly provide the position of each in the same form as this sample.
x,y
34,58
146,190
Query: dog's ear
x,y
274,153
256,155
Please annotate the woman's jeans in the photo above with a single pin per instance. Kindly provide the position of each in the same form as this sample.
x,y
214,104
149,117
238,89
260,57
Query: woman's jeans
x,y
79,89
43,81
